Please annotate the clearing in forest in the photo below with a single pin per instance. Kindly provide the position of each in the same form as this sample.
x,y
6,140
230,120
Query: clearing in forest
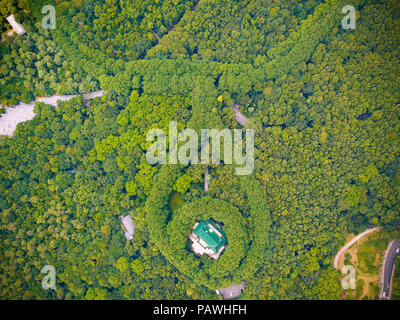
x,y
366,255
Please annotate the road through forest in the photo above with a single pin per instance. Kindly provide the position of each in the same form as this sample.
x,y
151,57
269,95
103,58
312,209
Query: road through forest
x,y
23,112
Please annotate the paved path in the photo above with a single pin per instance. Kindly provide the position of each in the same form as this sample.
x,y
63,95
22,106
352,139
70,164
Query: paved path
x,y
350,243
239,117
392,253
23,112
206,180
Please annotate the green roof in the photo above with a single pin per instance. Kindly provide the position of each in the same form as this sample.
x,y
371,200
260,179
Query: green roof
x,y
210,237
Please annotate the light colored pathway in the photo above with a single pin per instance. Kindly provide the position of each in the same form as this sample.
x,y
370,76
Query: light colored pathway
x,y
239,117
350,243
23,112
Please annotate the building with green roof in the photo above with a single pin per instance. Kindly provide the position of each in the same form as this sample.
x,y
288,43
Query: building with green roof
x,y
207,237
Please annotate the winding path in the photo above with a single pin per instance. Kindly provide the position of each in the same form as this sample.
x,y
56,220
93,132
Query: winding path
x,y
350,243
23,112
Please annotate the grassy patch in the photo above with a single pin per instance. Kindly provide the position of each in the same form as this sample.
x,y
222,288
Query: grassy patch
x,y
366,255
175,202
370,254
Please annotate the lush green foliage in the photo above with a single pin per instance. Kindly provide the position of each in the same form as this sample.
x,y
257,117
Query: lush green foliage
x,y
35,66
241,259
323,104
120,28
396,281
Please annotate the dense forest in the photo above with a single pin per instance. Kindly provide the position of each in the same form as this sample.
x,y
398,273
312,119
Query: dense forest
x,y
323,103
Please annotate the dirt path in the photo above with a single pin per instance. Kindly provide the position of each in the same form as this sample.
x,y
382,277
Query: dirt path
x,y
351,248
367,281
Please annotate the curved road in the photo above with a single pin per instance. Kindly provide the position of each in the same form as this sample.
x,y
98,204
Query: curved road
x,y
350,243
392,253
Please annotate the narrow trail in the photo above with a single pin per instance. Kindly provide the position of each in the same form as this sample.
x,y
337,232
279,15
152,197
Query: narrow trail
x,y
171,28
351,248
239,117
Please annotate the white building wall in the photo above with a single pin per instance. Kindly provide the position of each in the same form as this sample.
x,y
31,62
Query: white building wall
x,y
18,28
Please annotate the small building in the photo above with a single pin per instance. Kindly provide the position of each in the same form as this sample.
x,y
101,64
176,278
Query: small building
x,y
231,292
128,226
208,237
18,28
